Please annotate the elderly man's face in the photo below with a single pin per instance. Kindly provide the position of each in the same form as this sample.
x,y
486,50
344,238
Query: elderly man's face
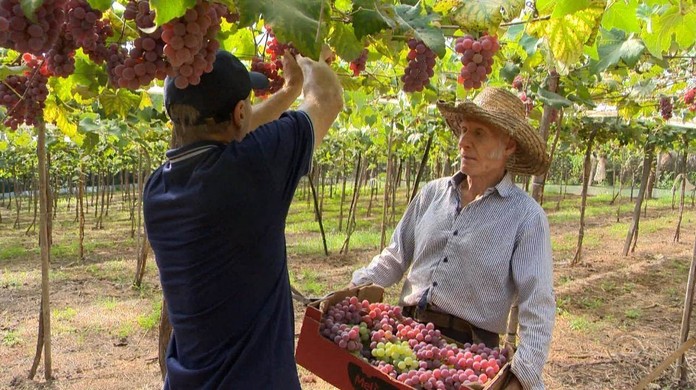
x,y
484,150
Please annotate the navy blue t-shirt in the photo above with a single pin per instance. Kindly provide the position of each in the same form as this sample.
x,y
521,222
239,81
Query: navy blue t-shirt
x,y
215,216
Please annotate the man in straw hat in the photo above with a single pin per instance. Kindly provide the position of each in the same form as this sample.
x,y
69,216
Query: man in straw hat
x,y
471,244
215,216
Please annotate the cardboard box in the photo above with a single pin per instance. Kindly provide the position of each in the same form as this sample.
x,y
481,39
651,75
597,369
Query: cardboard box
x,y
343,369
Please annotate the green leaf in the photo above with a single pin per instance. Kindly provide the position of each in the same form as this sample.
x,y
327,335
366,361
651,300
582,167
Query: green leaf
x,y
56,114
366,20
408,19
120,102
568,35
567,7
241,43
342,39
529,43
166,10
553,99
664,24
249,11
11,71
87,73
101,5
343,5
145,101
3,145
297,22
29,8
484,15
614,47
621,15
509,71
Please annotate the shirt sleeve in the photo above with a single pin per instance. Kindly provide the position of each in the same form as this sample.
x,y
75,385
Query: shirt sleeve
x,y
532,269
287,146
388,267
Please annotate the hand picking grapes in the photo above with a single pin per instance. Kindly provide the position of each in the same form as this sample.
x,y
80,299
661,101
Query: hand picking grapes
x,y
470,245
215,212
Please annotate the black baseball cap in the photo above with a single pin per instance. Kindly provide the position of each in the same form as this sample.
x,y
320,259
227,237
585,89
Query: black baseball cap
x,y
218,91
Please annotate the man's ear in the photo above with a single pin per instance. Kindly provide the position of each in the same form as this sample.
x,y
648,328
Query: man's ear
x,y
238,114
510,147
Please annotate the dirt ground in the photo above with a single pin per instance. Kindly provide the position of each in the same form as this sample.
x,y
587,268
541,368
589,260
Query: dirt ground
x,y
618,317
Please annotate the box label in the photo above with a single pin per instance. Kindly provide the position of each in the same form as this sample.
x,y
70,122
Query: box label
x,y
362,381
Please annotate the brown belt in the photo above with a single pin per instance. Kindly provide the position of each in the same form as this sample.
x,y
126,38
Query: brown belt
x,y
438,318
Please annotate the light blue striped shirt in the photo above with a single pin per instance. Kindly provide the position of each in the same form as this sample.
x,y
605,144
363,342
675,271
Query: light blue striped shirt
x,y
474,261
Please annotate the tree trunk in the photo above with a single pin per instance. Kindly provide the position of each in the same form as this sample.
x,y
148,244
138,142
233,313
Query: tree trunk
x,y
686,315
81,209
165,334
343,194
685,140
556,137
387,186
421,168
586,177
544,127
632,235
44,243
317,213
350,223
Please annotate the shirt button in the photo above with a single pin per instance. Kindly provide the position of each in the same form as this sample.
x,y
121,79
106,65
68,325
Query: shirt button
x,y
455,232
434,284
444,260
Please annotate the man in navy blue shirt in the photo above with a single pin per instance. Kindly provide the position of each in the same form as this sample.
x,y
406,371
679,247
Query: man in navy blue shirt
x,y
215,215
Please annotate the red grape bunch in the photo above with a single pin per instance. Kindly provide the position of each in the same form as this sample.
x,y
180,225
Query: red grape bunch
x,y
666,108
270,70
23,35
60,59
24,95
518,83
358,64
689,99
191,43
276,49
477,59
421,61
81,23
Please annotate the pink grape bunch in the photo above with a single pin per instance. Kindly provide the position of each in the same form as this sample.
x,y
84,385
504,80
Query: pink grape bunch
x,y
689,99
36,36
276,49
358,64
421,61
191,43
518,83
527,101
666,108
477,59
60,60
24,96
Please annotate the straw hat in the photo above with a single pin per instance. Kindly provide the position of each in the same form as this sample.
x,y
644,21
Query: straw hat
x,y
504,111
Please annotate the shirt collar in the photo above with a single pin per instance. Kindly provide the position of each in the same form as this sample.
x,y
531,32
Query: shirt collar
x,y
504,187
191,150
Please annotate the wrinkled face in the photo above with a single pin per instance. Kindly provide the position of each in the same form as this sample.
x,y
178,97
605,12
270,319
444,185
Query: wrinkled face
x,y
483,150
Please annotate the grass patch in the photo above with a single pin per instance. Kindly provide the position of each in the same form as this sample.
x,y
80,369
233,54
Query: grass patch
x,y
633,313
308,282
580,323
11,338
125,330
107,303
12,252
150,320
65,314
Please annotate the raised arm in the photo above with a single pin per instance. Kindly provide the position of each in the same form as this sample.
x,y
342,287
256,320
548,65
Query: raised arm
x,y
323,94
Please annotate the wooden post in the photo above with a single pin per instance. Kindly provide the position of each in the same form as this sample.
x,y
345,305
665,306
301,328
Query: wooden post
x,y
686,316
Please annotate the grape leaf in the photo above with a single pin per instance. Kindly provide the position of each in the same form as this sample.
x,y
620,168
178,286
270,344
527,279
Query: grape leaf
x,y
29,8
55,113
119,102
445,6
483,15
568,35
614,47
621,15
342,39
509,71
166,10
343,5
3,145
552,99
11,70
409,19
567,7
249,11
666,23
240,43
297,22
101,5
366,20
145,101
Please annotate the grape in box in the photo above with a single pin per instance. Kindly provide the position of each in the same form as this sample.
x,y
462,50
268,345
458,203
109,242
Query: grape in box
x,y
409,351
